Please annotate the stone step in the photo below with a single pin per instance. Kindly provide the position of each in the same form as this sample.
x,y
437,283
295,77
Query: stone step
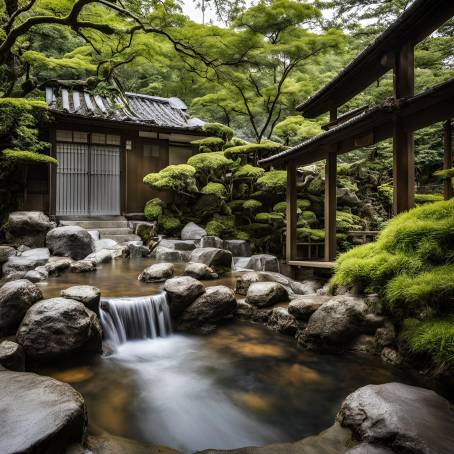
x,y
96,225
123,238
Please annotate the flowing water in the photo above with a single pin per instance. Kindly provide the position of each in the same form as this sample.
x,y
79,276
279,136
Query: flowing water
x,y
242,385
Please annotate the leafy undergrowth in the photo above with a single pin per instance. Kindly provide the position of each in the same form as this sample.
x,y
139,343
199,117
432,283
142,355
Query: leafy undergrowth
x,y
411,265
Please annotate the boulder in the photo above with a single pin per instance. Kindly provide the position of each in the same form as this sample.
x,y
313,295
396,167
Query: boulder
x,y
347,197
12,356
157,273
36,276
14,276
337,322
304,306
199,271
264,294
211,241
367,448
70,241
402,417
28,228
248,312
22,263
181,292
102,256
238,248
59,327
163,254
105,243
83,266
219,260
192,231
280,320
5,253
39,414
137,249
263,262
178,245
364,343
146,230
57,265
245,280
16,298
88,295
308,287
386,335
391,356
213,305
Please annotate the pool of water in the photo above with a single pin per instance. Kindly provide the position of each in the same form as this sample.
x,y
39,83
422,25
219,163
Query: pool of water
x,y
243,385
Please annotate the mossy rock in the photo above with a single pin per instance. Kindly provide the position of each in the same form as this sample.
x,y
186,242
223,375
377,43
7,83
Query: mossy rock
x,y
346,221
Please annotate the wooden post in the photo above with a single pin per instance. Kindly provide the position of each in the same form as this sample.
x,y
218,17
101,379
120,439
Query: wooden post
x,y
447,161
330,206
403,142
290,250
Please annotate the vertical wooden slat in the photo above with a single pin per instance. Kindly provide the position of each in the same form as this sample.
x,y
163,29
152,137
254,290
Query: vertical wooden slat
x,y
291,211
403,142
447,161
330,206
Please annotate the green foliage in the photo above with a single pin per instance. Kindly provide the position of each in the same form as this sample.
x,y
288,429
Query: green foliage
x,y
273,181
305,233
445,174
209,144
169,223
296,129
28,157
252,205
434,338
208,163
269,218
253,149
214,228
219,130
214,188
174,178
348,222
153,209
427,198
248,171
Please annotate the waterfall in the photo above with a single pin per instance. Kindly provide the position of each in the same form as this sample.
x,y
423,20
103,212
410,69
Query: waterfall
x,y
240,263
144,317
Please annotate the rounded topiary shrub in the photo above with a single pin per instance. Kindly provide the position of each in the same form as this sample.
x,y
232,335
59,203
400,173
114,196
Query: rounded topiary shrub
x,y
153,209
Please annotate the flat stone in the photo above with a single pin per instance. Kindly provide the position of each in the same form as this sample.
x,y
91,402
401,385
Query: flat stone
x,y
219,260
27,228
21,263
42,254
212,241
102,256
192,231
12,356
83,266
178,245
181,292
137,249
263,262
39,414
57,265
402,417
16,298
88,295
70,241
199,271
264,294
158,272
304,306
164,254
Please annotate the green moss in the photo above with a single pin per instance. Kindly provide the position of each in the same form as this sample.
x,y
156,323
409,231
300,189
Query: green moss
x,y
209,144
214,188
348,222
309,216
210,162
235,205
280,207
273,181
445,174
428,198
251,149
303,204
385,191
249,172
235,142
23,103
169,223
269,218
252,205
306,233
434,289
176,178
240,235
214,228
28,157
219,130
434,338
153,209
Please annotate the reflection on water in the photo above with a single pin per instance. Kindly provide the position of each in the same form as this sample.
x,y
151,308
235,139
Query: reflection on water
x,y
243,385
119,278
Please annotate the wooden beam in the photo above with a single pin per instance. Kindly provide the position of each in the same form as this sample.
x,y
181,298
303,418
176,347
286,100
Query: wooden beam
x,y
291,238
447,161
403,142
330,206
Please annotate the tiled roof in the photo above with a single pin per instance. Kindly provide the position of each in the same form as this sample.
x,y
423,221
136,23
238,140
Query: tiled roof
x,y
128,107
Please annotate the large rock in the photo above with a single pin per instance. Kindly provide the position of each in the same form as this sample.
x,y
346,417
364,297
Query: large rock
x,y
213,305
280,320
6,252
178,245
88,295
58,327
181,292
211,241
263,262
137,249
70,241
304,306
42,254
27,228
264,294
199,271
39,414
12,356
238,248
245,280
163,254
218,259
405,418
192,231
248,312
157,273
102,256
57,265
23,263
335,323
16,298
83,266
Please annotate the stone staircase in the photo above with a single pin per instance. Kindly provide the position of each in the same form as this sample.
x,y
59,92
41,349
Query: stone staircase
x,y
111,227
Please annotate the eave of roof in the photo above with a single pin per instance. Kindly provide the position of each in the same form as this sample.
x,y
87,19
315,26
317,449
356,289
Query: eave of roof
x,y
416,23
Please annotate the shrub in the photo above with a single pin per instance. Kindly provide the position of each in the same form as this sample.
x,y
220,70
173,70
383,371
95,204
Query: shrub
x,y
427,198
303,204
214,228
253,149
153,209
219,130
235,142
434,338
28,157
249,172
347,221
316,235
177,178
252,205
169,223
209,144
211,162
214,188
269,218
280,207
309,216
273,181
433,289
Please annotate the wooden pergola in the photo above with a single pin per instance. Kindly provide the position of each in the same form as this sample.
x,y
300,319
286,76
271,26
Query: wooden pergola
x,y
396,119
